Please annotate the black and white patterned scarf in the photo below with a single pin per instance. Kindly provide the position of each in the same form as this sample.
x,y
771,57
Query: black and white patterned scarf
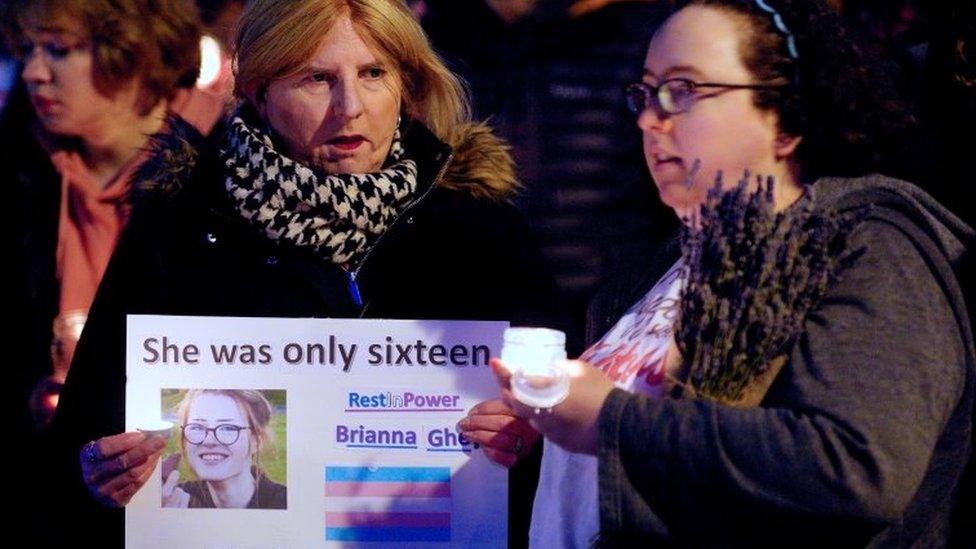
x,y
340,216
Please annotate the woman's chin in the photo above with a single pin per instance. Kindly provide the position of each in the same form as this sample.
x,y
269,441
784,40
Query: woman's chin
x,y
215,471
333,166
56,126
214,476
330,160
683,200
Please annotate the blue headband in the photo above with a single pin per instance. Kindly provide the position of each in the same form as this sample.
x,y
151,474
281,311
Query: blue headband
x,y
781,26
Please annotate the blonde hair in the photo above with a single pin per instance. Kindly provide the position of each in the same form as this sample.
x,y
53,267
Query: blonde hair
x,y
256,409
276,38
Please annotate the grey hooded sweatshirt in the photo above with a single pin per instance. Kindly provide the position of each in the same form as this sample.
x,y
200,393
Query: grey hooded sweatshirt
x,y
864,436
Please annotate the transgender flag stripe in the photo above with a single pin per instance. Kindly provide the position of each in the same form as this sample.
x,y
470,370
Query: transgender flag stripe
x,y
422,520
363,504
387,504
389,489
388,534
387,474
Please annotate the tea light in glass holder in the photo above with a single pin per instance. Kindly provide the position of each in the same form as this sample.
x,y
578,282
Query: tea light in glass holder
x,y
535,357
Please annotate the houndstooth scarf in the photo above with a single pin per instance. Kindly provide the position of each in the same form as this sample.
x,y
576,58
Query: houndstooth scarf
x,y
340,216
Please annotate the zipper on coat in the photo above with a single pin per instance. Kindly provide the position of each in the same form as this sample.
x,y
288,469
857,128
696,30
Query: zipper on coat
x,y
355,272
357,298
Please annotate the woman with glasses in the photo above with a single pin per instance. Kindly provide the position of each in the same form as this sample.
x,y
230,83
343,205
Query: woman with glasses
x,y
224,435
861,434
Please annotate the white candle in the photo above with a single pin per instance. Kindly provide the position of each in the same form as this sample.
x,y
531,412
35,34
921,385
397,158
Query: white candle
x,y
535,356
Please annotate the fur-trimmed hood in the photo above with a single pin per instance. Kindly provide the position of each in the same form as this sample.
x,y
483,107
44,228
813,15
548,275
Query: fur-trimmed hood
x,y
479,163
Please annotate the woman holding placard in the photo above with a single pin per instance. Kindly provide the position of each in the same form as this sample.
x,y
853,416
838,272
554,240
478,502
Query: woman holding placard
x,y
351,182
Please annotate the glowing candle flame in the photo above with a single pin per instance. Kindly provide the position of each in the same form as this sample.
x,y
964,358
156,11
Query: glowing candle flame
x,y
210,60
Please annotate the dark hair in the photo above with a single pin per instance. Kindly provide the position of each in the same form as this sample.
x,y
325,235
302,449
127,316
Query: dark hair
x,y
156,41
210,10
836,95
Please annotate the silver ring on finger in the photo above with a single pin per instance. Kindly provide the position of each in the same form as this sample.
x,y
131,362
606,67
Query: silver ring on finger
x,y
90,452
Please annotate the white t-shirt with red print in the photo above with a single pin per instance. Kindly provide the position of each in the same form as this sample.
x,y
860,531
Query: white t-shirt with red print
x,y
635,354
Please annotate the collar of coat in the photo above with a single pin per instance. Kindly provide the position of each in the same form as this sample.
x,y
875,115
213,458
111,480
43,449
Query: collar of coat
x,y
478,163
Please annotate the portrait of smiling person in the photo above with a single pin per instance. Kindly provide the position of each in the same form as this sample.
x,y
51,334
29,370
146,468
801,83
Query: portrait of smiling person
x,y
350,182
227,437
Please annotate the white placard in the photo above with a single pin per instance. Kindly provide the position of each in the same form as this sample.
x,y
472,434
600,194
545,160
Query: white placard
x,y
364,414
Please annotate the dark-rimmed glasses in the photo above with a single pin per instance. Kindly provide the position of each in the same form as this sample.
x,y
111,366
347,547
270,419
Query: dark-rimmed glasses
x,y
676,95
225,433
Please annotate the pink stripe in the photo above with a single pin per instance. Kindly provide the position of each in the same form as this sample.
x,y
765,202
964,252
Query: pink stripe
x,y
403,520
389,489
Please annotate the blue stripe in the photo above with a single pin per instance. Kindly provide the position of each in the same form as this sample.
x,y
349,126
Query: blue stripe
x,y
388,474
465,450
358,533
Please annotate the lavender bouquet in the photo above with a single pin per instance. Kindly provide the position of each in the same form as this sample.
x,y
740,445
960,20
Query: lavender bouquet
x,y
752,277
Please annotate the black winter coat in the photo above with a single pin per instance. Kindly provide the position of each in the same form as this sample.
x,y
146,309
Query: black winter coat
x,y
32,190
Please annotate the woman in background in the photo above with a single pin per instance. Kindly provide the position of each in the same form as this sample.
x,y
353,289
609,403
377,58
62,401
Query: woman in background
x,y
99,77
